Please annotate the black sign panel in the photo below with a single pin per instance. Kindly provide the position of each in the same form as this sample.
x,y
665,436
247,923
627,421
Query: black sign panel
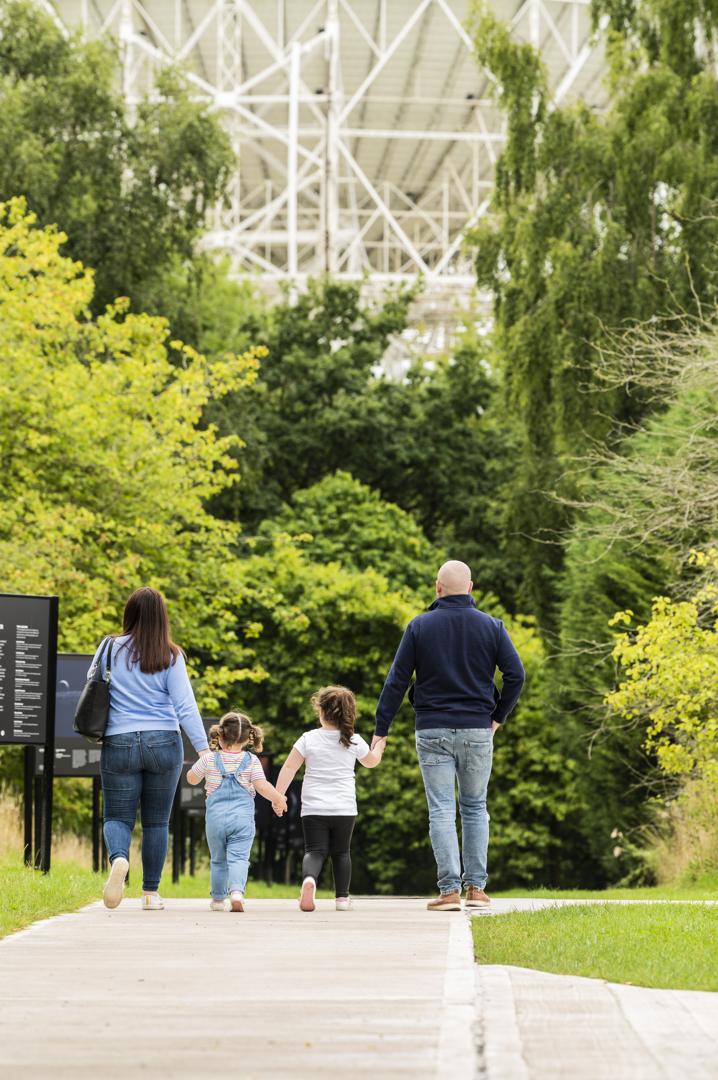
x,y
28,640
74,754
192,796
72,760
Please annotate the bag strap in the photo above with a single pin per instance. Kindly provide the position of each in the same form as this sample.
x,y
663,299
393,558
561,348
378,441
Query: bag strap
x,y
97,666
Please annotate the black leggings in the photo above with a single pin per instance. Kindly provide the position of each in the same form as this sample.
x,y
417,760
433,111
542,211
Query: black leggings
x,y
324,835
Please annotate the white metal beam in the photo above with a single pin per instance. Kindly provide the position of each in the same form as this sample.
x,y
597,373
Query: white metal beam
x,y
363,158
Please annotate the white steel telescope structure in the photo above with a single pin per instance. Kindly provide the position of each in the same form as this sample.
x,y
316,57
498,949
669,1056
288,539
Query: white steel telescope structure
x,y
365,132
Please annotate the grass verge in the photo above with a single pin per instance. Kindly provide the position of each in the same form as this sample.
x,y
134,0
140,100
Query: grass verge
x,y
29,896
668,946
703,888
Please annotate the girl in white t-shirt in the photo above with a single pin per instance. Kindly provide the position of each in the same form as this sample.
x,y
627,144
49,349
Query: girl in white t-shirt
x,y
329,804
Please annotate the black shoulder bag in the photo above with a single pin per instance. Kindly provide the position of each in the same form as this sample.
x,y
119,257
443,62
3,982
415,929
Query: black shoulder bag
x,y
93,706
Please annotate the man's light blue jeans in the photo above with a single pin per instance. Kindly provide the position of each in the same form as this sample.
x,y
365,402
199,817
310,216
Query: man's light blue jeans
x,y
445,756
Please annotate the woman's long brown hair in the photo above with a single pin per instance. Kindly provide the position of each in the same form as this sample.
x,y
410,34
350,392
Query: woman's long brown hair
x,y
147,623
338,707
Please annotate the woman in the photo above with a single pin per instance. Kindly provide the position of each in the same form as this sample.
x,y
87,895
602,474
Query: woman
x,y
142,756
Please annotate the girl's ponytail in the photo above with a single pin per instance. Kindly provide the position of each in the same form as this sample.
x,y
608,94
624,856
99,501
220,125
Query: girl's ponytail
x,y
338,706
213,737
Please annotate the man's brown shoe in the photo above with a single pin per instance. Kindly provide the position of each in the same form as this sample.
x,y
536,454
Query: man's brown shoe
x,y
476,897
446,902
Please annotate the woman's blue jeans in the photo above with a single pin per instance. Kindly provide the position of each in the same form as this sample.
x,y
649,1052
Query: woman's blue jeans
x,y
141,768
448,755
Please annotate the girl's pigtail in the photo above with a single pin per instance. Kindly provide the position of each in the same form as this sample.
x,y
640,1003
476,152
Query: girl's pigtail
x,y
213,737
255,740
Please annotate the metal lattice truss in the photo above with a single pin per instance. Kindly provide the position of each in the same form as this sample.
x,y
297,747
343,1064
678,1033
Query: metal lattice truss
x,y
366,135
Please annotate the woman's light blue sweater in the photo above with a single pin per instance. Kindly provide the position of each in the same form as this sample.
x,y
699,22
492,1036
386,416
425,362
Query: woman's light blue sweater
x,y
163,701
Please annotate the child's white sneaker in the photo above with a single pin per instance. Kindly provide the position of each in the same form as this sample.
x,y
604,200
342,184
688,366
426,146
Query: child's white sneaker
x,y
152,902
115,884
219,905
236,900
306,897
343,903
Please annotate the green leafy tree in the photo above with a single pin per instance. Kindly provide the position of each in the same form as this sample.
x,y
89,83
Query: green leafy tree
x,y
131,197
597,219
301,420
638,510
666,692
342,520
429,442
106,487
669,669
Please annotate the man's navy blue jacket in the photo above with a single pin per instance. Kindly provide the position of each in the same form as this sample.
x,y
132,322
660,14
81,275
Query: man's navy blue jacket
x,y
455,650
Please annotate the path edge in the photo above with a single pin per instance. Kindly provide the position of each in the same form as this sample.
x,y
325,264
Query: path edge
x,y
456,1053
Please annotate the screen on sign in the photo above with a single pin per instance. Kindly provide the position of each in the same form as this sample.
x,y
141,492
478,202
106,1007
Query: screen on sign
x,y
74,754
71,678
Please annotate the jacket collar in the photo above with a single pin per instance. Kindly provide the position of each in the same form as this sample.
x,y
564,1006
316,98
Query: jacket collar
x,y
458,600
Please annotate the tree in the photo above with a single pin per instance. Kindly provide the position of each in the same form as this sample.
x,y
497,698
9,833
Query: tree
x,y
429,442
106,488
131,197
342,520
669,669
638,510
597,219
305,414
666,692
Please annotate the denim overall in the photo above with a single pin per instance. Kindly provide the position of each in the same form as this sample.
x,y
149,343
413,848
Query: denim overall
x,y
230,830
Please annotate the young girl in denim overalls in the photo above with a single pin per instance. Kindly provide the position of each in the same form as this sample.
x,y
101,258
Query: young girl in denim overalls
x,y
232,776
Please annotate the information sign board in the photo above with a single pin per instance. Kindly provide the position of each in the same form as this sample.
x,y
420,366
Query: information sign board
x,y
28,648
74,754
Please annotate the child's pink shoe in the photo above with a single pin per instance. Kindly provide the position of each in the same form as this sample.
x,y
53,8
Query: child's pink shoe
x,y
306,897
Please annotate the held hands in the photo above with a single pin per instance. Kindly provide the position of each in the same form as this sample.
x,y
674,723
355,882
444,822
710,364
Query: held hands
x,y
279,804
378,743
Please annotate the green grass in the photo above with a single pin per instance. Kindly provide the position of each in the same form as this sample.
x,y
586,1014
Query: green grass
x,y
661,945
28,895
705,888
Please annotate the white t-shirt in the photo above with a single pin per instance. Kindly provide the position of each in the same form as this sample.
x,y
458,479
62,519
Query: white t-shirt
x,y
328,786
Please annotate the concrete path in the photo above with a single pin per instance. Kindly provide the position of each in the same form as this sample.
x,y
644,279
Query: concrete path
x,y
388,990
384,991
538,1026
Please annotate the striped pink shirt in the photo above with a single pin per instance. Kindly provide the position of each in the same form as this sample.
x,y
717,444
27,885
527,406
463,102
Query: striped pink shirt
x,y
207,768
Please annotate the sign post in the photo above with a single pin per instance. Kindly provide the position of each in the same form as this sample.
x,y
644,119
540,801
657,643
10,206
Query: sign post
x,y
28,659
27,803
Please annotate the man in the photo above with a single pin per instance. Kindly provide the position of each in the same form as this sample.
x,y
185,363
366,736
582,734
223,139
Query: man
x,y
454,649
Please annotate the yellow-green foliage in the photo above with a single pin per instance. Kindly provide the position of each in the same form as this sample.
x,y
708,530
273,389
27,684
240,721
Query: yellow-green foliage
x,y
670,677
105,465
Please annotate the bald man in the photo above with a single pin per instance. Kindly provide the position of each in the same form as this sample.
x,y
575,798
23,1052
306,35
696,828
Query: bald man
x,y
454,649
